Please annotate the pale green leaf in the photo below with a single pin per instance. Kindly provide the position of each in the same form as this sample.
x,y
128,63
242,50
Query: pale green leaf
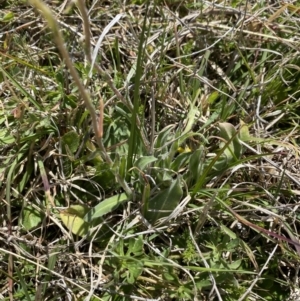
x,y
229,133
106,206
5,137
72,218
228,231
244,134
235,265
8,17
142,162
213,97
196,164
31,218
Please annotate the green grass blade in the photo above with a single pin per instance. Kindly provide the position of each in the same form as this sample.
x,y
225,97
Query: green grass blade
x,y
133,139
18,86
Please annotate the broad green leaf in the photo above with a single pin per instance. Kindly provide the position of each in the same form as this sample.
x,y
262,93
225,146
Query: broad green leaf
x,y
95,154
211,119
180,161
163,204
95,157
228,231
7,17
166,178
244,134
31,218
232,245
189,122
106,206
203,283
170,275
71,140
130,73
5,137
196,164
235,265
2,119
228,132
213,97
142,162
164,136
102,174
72,218
78,209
